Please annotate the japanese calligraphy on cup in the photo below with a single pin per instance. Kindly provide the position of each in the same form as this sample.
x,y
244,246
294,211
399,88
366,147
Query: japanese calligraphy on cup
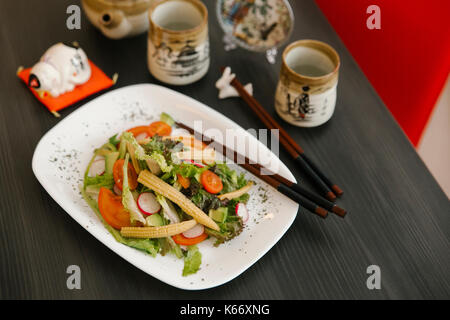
x,y
178,43
306,91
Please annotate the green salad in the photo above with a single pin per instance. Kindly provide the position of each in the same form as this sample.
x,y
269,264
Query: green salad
x,y
162,193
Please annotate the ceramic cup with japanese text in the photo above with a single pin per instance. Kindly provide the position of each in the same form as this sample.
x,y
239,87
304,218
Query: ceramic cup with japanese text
x,y
178,43
306,91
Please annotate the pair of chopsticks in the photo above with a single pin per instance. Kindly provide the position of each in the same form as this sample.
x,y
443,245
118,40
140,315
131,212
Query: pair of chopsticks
x,y
302,196
320,180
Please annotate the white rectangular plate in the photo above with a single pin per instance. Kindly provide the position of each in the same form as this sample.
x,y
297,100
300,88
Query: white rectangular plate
x,y
62,155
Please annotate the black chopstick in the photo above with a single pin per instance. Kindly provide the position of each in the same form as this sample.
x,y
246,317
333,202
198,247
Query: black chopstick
x,y
330,206
284,189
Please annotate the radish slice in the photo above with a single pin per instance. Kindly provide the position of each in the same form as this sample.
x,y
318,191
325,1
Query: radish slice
x,y
179,132
141,136
147,203
241,211
194,163
117,190
195,231
97,168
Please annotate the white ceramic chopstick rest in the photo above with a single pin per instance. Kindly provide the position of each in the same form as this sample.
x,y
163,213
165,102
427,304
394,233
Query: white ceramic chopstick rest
x,y
226,90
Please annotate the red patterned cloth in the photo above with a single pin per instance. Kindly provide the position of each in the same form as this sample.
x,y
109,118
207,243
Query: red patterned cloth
x,y
407,60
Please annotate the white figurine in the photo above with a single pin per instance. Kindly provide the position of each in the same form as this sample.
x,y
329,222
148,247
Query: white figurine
x,y
226,90
60,69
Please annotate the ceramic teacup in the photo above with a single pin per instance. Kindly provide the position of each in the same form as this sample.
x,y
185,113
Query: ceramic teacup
x,y
306,91
178,44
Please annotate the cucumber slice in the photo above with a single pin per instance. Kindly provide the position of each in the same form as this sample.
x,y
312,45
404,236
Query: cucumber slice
x,y
122,149
167,119
110,159
155,220
219,215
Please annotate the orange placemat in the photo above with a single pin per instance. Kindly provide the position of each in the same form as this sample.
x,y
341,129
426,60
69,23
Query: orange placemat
x,y
98,81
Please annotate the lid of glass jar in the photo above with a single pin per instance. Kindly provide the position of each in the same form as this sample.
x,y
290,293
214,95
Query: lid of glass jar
x,y
256,25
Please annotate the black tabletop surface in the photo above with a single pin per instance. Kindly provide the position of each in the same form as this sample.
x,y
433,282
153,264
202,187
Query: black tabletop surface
x,y
399,218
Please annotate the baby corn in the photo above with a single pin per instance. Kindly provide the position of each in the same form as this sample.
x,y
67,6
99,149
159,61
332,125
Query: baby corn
x,y
156,184
236,193
157,232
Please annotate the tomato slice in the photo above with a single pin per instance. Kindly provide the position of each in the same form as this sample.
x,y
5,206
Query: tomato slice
x,y
185,182
118,175
142,130
182,240
112,210
211,182
160,128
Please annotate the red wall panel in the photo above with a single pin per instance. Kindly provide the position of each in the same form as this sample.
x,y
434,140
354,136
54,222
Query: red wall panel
x,y
407,60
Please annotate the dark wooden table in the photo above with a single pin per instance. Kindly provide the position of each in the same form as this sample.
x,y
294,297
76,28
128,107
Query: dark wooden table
x,y
399,217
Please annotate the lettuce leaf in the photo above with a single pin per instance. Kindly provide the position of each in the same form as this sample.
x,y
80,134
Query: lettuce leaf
x,y
205,200
159,158
169,211
192,261
230,179
113,140
140,153
188,170
164,146
127,197
105,180
231,228
175,248
169,246
150,246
